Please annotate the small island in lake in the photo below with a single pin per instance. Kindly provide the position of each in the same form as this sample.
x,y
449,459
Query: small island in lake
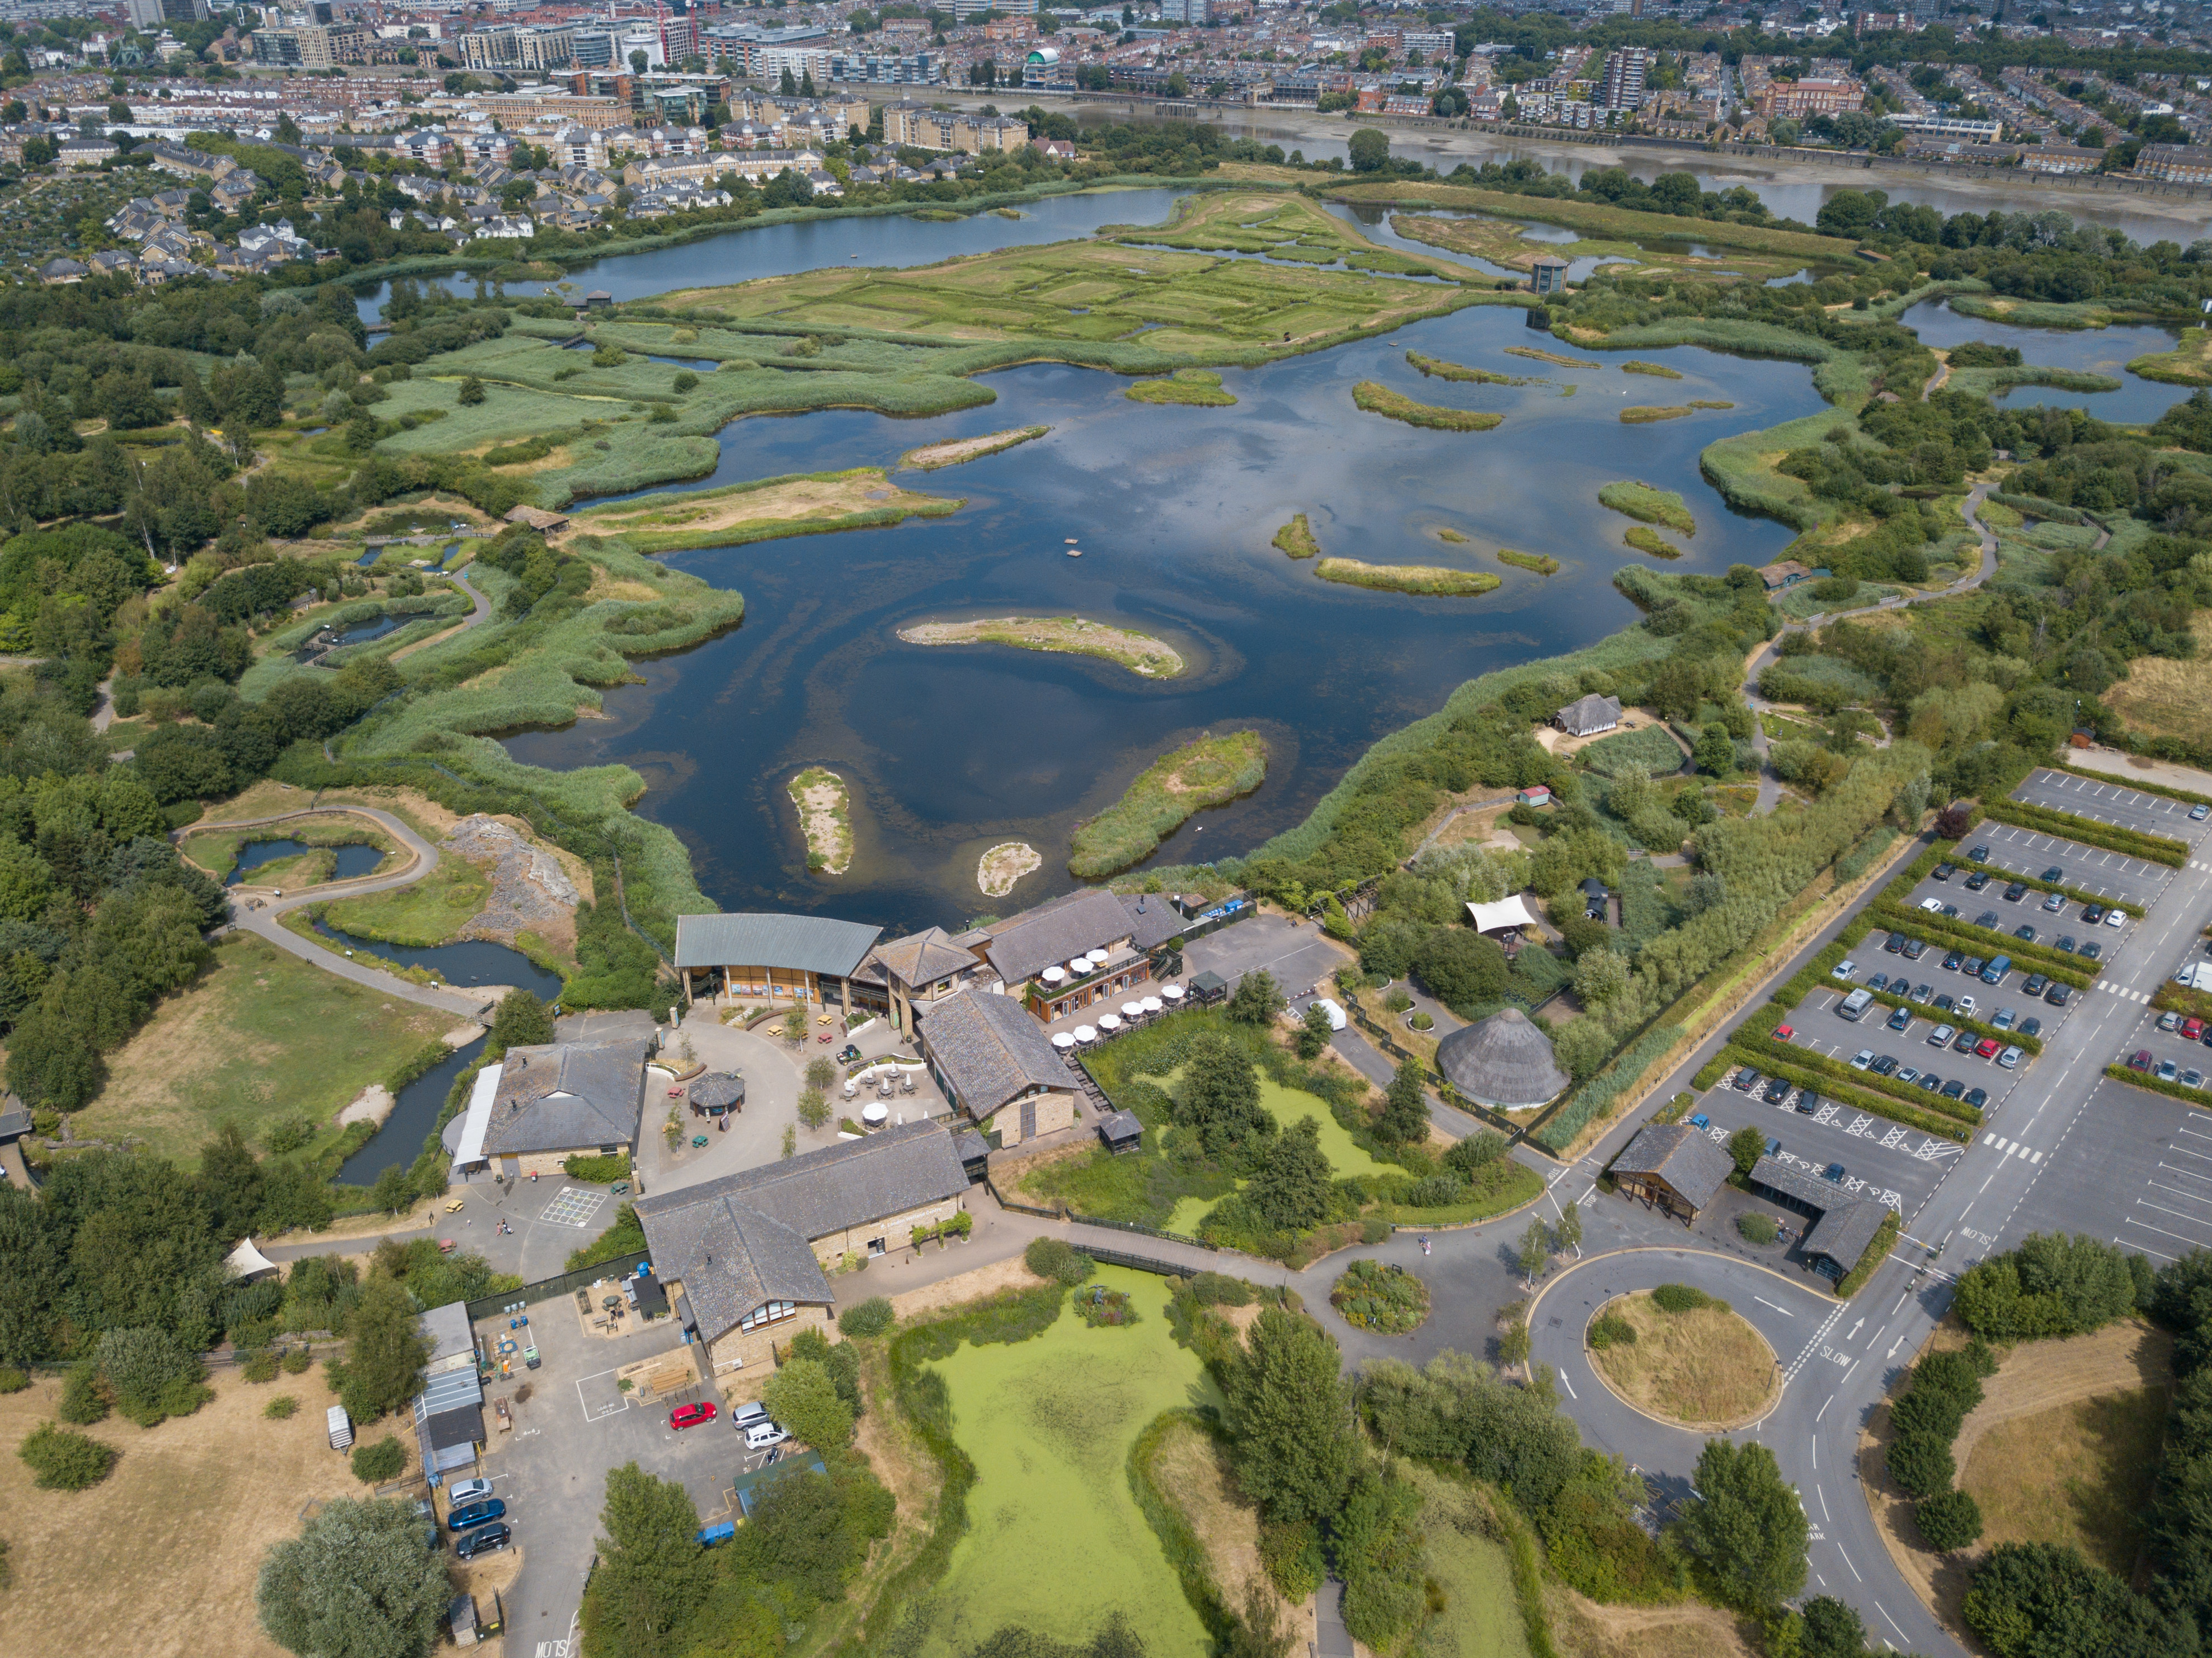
x,y
1066,636
825,815
998,870
1210,772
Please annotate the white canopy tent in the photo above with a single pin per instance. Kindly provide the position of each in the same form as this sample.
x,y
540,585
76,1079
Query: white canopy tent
x,y
1512,910
469,1153
249,1263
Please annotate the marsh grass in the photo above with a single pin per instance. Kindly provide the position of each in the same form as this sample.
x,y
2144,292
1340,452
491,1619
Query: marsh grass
x,y
1644,414
1645,539
1658,368
1542,356
1379,399
1433,578
1296,538
1200,387
1209,772
1439,369
1648,504
1541,563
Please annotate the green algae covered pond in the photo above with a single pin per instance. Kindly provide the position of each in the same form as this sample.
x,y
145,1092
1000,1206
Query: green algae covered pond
x,y
1056,1542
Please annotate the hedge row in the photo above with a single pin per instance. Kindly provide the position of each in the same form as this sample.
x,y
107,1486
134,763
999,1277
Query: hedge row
x,y
2199,1098
2180,998
2151,849
1711,1070
2193,799
1596,1098
1881,1105
1765,1048
2011,1038
1927,925
1877,1252
2078,894
1814,974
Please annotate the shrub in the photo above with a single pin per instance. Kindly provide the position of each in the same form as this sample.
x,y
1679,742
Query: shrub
x,y
13,1381
1949,1520
1220,1289
597,1171
872,1317
1379,1296
297,1361
262,1367
1612,1331
1682,1298
374,1464
1757,1229
1920,1463
66,1462
1292,1555
281,1408
84,1398
1056,1259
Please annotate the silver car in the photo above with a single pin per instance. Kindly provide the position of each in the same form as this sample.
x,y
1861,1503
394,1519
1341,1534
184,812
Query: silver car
x,y
1941,1035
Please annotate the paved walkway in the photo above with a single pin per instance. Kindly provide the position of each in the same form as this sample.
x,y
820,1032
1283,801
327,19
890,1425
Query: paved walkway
x,y
477,616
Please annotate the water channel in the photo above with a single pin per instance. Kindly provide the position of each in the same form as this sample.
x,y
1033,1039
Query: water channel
x,y
414,1115
353,862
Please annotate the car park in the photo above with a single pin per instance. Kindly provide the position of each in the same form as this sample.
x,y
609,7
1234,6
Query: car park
x,y
1946,1002
2054,873
1945,872
2002,1019
1834,1172
1941,1037
1977,880
486,1539
1885,1064
2140,1059
1978,1097
2025,934
2093,914
1900,1018
2015,892
1979,854
2167,1071
464,1491
1987,1048
2030,1027
1777,1091
1843,969
1808,1103
2054,903
2192,1079
2058,995
1862,1058
1951,961
690,1416
1954,1089
476,1514
1914,949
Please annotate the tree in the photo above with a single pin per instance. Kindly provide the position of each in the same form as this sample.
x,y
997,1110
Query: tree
x,y
521,1021
1568,1234
1831,1630
795,1025
813,1107
1535,1249
1220,1096
803,1400
1714,754
1749,1527
1601,976
472,390
1952,822
1258,999
1291,1189
1949,1520
1314,1031
1405,1117
822,1074
356,1584
394,1191
1460,968
1369,149
374,1464
231,1178
383,1362
1290,1419
1747,1145
1920,1462
651,1573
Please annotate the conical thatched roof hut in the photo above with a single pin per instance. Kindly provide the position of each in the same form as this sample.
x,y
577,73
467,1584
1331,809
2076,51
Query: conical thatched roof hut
x,y
1504,1061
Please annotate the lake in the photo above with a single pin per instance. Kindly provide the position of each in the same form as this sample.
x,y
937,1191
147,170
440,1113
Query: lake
x,y
2097,351
352,860
951,750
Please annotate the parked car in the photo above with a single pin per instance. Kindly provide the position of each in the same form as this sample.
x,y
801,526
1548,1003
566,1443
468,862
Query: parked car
x,y
486,1539
1844,970
2140,1059
2002,1019
1987,1048
2065,942
2091,951
1777,1091
1964,1043
1923,993
1951,961
1978,854
1835,1172
476,1514
1747,1079
1966,1007
1988,918
1946,1002
2198,812
1895,943
463,1491
745,1415
2010,1057
2031,1026
2167,1071
1808,1103
2026,934
1880,982
1782,1032
1945,872
1931,1082
2192,1029
690,1416
1914,949
2116,918
1772,1145
761,1435
2169,1021
1950,911
1701,1120
2058,995
2015,892
2054,903
1978,1097
1954,1089
1977,880
1971,966
2054,873
2093,914
1862,1058
1885,1064
2192,1079
1941,1037
1933,906
1900,1018
1908,1073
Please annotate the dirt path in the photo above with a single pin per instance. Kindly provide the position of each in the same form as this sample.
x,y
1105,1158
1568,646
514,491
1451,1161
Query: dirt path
x,y
1942,375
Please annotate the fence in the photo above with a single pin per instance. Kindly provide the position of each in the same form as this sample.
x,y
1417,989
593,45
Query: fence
x,y
1140,1263
1007,1204
514,1301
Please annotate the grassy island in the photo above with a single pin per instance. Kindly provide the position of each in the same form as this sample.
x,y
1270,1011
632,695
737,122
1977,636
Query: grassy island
x,y
1438,368
801,504
1379,399
997,870
1644,414
1645,539
1063,636
1408,578
1541,563
1658,368
1648,505
1199,387
1210,772
1296,538
1677,1354
931,456
1542,356
825,816
2190,362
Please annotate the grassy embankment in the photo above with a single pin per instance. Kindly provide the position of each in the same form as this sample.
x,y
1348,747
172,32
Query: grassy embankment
x,y
1432,578
1209,772
216,851
1064,636
1379,399
1292,229
1601,219
1541,563
1503,243
1296,538
824,805
2190,362
261,1038
1200,388
806,503
932,456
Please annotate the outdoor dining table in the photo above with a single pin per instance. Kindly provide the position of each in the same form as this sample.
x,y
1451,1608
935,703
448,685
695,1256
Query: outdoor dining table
x,y
1062,1040
1084,1033
1109,1023
1154,1005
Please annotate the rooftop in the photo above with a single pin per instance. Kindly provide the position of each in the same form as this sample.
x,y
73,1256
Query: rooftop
x,y
560,1096
1503,1060
798,944
991,1050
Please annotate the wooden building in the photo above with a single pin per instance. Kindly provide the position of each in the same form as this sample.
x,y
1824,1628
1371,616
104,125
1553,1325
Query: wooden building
x,y
1674,1166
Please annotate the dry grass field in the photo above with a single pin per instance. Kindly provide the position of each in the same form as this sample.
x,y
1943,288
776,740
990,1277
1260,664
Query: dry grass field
x,y
2162,697
1705,1369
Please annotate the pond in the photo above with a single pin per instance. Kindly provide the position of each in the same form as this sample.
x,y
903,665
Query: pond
x,y
2097,351
470,962
414,1115
352,862
951,750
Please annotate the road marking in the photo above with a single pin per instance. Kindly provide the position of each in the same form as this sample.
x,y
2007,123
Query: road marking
x,y
1847,1561
1816,1468
1884,1611
1821,1491
1764,1301
1569,1386
1824,1409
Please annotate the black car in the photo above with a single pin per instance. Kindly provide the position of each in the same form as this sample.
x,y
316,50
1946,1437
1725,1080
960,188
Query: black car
x,y
1978,1097
1777,1091
2035,985
2030,1027
1954,1089
1945,872
1745,1080
2015,892
1977,880
1880,982
1964,1043
1930,1081
1951,961
1835,1172
1946,1002
2093,914
2091,951
1978,854
2065,942
1914,949
2058,995
1950,911
1808,1101
2024,933
1971,966
1987,918
2054,874
1884,1065
486,1539
1895,943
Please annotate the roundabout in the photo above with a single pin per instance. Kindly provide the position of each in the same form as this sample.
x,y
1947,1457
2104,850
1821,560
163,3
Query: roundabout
x,y
1684,1358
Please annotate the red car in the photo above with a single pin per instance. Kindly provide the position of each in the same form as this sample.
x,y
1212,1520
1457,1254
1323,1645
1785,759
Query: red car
x,y
1784,1034
2140,1059
690,1416
1987,1048
2193,1029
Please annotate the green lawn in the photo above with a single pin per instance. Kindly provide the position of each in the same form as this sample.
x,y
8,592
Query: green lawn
x,y
429,911
260,1037
1481,1618
1056,1542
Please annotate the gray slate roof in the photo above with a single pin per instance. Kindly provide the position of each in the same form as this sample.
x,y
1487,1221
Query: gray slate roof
x,y
1092,918
14,1124
922,958
561,1097
798,944
446,1329
1590,714
1503,1060
1846,1224
599,1025
1685,1157
991,1049
746,1238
